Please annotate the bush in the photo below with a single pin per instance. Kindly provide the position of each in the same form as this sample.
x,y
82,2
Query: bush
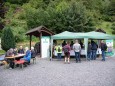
x,y
7,39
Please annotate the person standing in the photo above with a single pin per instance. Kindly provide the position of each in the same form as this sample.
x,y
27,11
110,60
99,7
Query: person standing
x,y
59,51
89,51
94,50
66,50
103,49
77,49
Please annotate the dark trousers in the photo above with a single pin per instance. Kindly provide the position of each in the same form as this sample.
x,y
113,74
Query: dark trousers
x,y
11,63
59,56
89,53
103,55
77,56
94,55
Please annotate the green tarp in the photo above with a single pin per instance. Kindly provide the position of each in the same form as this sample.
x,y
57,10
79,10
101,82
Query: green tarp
x,y
85,36
90,35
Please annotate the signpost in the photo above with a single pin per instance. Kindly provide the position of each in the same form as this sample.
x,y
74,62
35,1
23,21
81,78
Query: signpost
x,y
45,43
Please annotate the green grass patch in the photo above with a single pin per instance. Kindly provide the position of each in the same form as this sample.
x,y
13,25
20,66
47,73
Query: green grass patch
x,y
2,52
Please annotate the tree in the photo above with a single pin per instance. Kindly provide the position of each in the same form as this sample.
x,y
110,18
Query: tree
x,y
113,28
7,39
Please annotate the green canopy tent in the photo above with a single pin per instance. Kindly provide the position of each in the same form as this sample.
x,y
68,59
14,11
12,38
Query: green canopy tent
x,y
85,36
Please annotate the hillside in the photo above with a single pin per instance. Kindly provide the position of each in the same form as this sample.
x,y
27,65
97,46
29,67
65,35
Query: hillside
x,y
57,15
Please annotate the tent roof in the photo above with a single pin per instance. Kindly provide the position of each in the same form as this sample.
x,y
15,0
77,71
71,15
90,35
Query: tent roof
x,y
91,35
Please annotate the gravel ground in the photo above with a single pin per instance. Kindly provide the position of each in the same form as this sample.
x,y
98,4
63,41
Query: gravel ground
x,y
56,73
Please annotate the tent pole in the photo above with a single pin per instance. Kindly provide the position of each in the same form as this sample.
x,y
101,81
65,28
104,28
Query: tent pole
x,y
30,41
86,46
51,49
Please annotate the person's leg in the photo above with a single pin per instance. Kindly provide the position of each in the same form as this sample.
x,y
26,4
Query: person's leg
x,y
76,56
11,64
79,57
68,58
65,57
87,55
57,55
60,56
95,54
92,55
103,55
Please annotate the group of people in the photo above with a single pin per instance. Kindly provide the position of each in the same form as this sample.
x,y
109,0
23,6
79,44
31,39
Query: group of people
x,y
91,51
12,52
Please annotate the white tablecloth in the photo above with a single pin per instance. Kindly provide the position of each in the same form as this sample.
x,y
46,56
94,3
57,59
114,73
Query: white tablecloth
x,y
72,53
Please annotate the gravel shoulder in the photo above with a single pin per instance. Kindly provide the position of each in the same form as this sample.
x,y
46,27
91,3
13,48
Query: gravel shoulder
x,y
56,73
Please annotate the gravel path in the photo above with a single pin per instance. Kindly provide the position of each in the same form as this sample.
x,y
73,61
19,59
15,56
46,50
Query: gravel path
x,y
56,73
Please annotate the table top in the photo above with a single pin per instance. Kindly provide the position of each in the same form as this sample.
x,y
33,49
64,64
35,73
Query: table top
x,y
16,56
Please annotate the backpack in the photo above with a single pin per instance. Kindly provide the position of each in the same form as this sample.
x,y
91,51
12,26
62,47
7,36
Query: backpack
x,y
66,50
59,49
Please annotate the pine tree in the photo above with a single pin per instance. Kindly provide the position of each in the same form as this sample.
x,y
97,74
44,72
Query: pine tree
x,y
7,39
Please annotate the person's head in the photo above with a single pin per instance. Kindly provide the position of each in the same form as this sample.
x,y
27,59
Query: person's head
x,y
32,48
21,47
11,49
76,41
67,43
26,48
102,41
15,49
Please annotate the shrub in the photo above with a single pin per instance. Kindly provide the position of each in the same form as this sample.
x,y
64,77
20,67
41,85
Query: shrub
x,y
7,39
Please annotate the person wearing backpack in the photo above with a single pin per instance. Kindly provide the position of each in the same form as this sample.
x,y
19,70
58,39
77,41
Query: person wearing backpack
x,y
77,49
59,51
66,50
94,50
103,49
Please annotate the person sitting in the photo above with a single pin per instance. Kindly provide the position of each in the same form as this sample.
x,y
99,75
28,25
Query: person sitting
x,y
33,53
10,53
27,57
15,51
21,50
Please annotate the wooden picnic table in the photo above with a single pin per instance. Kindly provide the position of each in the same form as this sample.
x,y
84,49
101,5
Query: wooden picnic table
x,y
16,56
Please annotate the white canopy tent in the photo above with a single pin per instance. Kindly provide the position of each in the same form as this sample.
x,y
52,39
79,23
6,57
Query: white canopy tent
x,y
85,36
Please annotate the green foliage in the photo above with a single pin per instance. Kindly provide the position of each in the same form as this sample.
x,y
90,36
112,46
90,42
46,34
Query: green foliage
x,y
7,39
113,28
58,15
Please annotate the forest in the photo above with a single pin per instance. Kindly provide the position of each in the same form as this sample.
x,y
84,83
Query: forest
x,y
57,16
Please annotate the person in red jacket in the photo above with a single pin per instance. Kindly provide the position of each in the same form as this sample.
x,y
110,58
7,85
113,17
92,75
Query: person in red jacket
x,y
66,50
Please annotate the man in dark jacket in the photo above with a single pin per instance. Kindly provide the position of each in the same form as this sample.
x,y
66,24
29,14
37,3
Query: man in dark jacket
x,y
94,50
103,49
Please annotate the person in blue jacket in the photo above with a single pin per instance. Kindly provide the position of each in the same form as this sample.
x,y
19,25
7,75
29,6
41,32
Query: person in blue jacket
x,y
27,57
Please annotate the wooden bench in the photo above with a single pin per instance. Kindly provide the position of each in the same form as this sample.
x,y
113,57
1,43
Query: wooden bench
x,y
20,62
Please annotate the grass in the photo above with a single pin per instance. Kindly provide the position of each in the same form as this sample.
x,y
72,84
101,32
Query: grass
x,y
2,52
